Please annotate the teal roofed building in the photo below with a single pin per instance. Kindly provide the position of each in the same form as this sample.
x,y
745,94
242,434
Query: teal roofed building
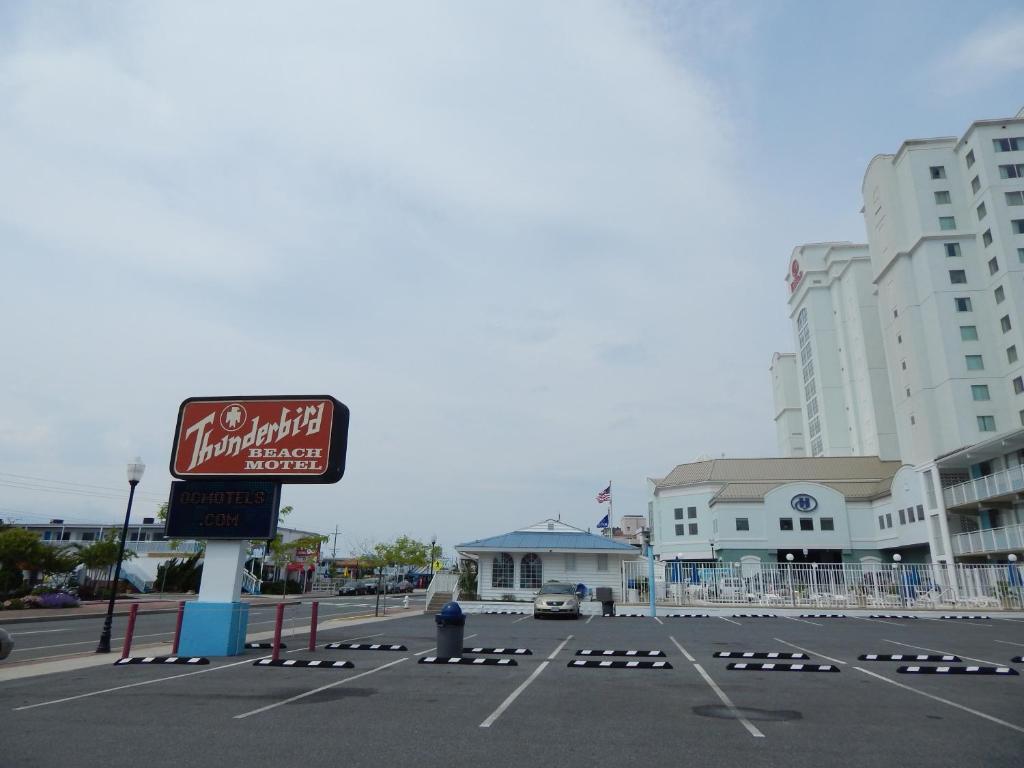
x,y
516,564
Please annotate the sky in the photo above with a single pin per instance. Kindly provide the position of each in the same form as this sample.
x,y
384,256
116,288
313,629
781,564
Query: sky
x,y
534,247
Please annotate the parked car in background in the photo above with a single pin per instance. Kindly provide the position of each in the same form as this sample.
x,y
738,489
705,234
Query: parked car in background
x,y
353,587
556,599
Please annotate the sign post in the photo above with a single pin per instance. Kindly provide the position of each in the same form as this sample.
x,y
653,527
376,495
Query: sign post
x,y
232,454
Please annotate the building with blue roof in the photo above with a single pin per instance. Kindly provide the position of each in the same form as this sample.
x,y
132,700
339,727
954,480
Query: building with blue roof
x,y
514,565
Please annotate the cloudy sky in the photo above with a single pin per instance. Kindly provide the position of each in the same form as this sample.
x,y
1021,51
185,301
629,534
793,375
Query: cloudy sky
x,y
533,246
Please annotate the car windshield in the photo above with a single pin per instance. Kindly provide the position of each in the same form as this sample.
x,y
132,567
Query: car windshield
x,y
558,589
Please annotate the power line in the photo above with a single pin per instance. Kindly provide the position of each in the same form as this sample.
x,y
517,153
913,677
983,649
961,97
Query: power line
x,y
53,481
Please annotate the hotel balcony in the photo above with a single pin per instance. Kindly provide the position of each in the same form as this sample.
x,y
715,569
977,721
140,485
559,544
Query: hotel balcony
x,y
1003,486
989,540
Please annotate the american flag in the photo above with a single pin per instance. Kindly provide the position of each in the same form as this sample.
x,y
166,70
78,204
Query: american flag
x,y
605,495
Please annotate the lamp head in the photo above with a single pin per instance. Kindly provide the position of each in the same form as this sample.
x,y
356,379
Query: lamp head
x,y
135,471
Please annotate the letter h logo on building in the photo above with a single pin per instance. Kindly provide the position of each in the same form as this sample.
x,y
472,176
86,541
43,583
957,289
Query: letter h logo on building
x,y
803,502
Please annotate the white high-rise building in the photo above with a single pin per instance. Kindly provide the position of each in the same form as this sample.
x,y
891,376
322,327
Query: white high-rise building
x,y
945,224
789,414
910,347
842,385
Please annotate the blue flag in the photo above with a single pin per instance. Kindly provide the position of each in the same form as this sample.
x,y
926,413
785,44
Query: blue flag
x,y
603,523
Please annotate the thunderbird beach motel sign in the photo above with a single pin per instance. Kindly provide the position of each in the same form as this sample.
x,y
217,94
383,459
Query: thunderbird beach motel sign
x,y
300,439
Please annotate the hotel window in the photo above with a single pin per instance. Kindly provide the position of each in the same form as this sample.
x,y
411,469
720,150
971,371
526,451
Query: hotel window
x,y
952,249
903,517
987,423
963,304
1011,354
899,338
881,522
993,265
913,421
679,513
920,512
986,237
1021,414
908,391
681,529
970,158
1015,198
1011,171
937,171
947,222
1008,145
968,333
1004,323
691,512
742,524
975,185
903,364
980,392
693,529
570,562
785,524
974,362
982,211
1018,385
957,276
1000,294
888,519
88,536
942,197
1018,226
806,523
1020,255
827,524
602,562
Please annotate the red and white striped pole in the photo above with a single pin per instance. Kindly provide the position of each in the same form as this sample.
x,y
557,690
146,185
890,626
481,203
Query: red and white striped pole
x,y
177,628
127,647
312,625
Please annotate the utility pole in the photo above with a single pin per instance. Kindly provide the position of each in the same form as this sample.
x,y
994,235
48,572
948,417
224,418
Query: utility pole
x,y
334,554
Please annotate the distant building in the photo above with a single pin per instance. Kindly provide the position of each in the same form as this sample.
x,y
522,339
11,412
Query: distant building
x,y
518,563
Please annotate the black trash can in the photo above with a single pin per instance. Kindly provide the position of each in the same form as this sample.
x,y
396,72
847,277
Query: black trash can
x,y
451,630
604,596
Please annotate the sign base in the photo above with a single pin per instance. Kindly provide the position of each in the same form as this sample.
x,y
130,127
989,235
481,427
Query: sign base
x,y
213,629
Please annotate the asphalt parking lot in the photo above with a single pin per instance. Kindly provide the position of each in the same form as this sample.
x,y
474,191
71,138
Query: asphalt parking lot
x,y
390,708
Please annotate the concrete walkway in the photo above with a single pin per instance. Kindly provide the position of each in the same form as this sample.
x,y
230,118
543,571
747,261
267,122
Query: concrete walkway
x,y
165,603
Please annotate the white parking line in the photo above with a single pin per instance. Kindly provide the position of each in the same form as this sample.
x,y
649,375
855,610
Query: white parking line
x,y
590,619
522,619
681,649
133,685
944,701
805,621
751,728
805,650
933,650
659,620
723,618
321,688
1007,642
522,687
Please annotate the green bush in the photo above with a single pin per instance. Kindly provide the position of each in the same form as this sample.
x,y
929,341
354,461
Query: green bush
x,y
276,588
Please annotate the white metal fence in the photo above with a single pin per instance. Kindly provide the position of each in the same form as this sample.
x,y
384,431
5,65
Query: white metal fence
x,y
826,585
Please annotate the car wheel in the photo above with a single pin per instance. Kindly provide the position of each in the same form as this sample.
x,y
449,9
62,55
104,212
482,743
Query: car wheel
x,y
536,615
576,616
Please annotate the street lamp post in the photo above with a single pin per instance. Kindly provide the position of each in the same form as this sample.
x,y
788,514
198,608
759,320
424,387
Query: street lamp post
x,y
135,470
896,558
789,573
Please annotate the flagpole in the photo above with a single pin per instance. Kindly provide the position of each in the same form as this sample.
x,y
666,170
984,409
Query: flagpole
x,y
611,525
